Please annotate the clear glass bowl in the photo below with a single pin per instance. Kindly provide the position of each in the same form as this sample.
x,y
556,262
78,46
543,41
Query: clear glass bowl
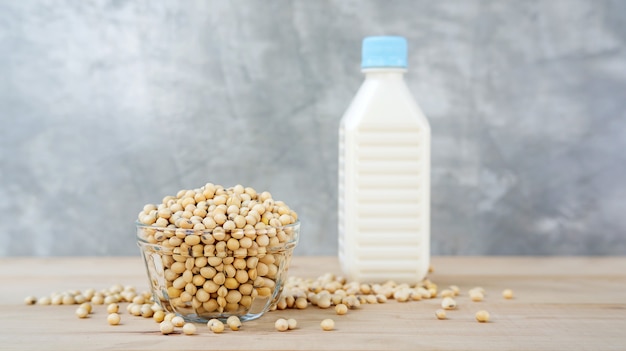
x,y
205,274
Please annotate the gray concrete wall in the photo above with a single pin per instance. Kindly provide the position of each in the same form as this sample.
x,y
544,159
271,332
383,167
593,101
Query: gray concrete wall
x,y
108,105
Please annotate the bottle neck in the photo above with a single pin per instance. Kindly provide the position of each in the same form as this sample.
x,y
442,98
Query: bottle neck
x,y
384,73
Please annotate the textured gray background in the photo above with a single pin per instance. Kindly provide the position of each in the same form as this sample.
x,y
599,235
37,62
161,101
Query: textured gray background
x,y
108,105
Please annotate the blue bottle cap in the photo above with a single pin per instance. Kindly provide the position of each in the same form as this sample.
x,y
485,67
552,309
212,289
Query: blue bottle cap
x,y
384,51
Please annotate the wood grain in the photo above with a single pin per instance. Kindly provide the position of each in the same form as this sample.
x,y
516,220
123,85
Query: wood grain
x,y
573,303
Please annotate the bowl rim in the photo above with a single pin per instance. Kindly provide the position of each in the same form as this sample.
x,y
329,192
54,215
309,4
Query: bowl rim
x,y
295,225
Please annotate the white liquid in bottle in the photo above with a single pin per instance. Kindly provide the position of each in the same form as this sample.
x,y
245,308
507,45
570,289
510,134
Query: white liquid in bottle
x,y
384,173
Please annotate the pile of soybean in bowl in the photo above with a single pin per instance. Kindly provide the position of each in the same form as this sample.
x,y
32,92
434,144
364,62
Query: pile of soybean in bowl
x,y
218,250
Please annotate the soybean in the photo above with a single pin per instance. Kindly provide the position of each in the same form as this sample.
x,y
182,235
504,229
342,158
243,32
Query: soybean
x,y
178,321
216,326
507,294
292,323
189,329
82,312
327,324
113,319
158,316
113,308
166,327
342,309
30,300
482,316
281,324
448,303
234,323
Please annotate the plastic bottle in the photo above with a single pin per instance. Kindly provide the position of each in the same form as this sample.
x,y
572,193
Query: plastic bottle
x,y
384,173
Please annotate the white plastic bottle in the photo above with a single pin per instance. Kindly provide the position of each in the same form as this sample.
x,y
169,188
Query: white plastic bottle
x,y
384,173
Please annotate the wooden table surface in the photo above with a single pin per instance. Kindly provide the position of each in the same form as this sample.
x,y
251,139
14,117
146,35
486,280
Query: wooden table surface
x,y
561,303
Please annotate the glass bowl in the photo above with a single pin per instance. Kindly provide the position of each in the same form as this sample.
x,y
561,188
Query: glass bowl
x,y
205,274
